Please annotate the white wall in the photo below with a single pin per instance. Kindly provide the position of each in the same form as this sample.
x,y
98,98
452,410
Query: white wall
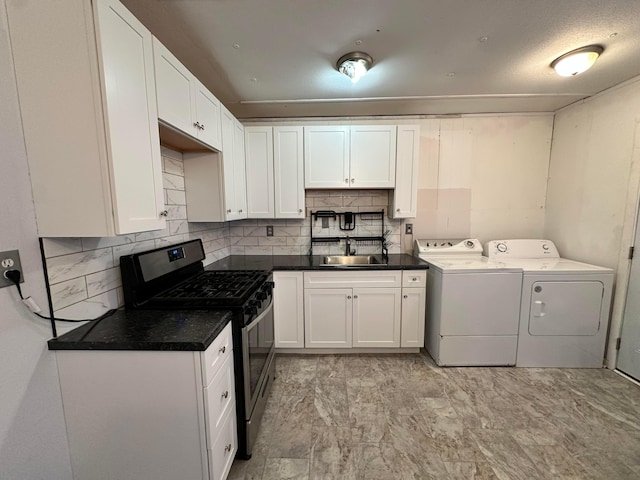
x,y
33,443
593,185
483,176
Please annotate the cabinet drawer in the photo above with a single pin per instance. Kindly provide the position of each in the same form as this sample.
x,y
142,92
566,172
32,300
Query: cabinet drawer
x,y
216,354
223,450
414,278
379,278
219,396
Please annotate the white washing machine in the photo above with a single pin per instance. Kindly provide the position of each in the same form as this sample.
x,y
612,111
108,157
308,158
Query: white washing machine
x,y
473,304
564,311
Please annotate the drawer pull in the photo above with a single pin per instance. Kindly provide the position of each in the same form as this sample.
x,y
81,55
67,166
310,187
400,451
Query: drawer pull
x,y
414,279
225,394
406,296
223,349
227,448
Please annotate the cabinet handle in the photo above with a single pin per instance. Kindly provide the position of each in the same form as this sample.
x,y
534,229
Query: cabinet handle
x,y
414,279
346,180
355,296
405,296
353,180
229,211
223,349
227,448
164,213
225,394
202,127
240,211
348,297
398,210
299,210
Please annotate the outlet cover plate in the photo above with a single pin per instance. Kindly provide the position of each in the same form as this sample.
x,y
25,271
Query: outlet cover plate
x,y
408,228
10,260
269,230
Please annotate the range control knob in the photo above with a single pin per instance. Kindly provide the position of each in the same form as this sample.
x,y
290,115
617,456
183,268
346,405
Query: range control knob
x,y
469,244
501,247
261,295
545,247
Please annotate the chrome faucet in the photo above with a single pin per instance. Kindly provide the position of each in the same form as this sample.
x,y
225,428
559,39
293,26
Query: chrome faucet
x,y
348,250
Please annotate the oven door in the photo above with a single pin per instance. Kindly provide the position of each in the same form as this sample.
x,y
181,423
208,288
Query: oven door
x,y
258,349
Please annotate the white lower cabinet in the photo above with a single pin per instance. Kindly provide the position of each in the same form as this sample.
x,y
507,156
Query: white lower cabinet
x,y
364,312
414,297
156,415
328,318
376,317
288,309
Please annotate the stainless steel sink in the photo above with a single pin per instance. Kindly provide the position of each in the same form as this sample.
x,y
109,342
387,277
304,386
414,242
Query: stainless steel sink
x,y
351,260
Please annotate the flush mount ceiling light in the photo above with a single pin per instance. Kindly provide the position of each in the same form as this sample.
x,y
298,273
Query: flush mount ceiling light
x,y
577,61
354,65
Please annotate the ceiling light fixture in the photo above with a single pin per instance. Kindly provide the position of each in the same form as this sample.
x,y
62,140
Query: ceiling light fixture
x,y
576,61
354,65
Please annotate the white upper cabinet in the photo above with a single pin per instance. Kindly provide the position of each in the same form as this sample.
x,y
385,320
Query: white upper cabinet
x,y
207,108
288,169
183,102
215,181
326,157
259,163
405,196
95,170
275,172
350,157
239,170
373,156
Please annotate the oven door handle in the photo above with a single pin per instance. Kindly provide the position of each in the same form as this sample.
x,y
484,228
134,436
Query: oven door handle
x,y
257,320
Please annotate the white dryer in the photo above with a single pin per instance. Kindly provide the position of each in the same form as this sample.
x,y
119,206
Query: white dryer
x,y
564,310
473,304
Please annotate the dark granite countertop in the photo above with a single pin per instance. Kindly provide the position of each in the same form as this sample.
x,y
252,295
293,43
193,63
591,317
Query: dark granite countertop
x,y
191,330
305,262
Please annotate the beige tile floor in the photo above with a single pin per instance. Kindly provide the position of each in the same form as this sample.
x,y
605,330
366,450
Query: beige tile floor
x,y
401,417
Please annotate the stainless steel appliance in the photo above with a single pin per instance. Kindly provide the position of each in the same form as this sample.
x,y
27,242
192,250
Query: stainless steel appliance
x,y
174,277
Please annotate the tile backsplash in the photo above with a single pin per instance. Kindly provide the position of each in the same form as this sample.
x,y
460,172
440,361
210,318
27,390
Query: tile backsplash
x,y
84,273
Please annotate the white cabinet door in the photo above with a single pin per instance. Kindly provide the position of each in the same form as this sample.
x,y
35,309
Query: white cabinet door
x,y
239,172
376,317
227,122
259,170
207,115
288,156
97,173
328,317
373,156
413,317
125,47
405,195
326,157
288,309
175,87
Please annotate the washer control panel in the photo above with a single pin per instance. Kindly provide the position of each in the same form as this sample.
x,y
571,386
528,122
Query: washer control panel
x,y
521,248
438,247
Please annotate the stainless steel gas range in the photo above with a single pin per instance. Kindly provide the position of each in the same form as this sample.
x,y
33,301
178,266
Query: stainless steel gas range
x,y
174,277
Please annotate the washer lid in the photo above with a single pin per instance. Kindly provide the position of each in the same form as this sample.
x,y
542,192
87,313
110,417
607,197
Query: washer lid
x,y
470,265
556,265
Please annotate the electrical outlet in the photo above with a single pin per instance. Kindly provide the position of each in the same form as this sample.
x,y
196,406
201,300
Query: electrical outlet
x,y
9,260
325,222
269,230
408,228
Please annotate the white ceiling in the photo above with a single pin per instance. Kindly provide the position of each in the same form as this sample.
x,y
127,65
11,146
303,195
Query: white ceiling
x,y
276,58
